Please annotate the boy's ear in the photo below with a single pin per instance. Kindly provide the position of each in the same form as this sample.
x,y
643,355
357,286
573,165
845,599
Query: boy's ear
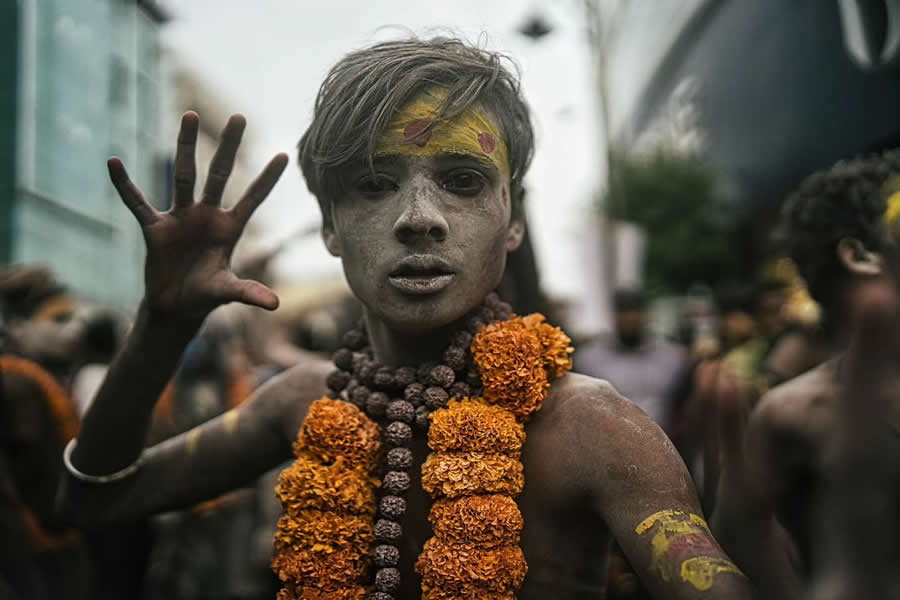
x,y
330,237
858,259
514,234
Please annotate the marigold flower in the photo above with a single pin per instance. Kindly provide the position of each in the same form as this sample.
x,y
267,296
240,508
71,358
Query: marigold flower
x,y
509,358
460,568
312,593
325,531
455,474
324,542
476,426
482,521
320,569
556,344
463,593
334,428
309,484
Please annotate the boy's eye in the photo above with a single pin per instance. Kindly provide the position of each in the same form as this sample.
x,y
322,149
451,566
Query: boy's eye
x,y
465,182
375,185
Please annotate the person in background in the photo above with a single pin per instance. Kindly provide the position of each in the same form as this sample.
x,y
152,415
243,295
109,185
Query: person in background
x,y
640,365
41,557
820,450
692,399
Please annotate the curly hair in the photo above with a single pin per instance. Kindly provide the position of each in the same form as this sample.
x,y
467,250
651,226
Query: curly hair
x,y
846,201
364,89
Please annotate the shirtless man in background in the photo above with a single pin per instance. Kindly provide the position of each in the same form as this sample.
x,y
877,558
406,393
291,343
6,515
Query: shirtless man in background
x,y
810,497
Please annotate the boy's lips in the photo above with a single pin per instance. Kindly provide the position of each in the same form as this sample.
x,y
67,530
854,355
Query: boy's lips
x,y
421,274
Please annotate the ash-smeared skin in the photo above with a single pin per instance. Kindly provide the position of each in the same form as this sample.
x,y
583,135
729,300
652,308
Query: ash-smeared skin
x,y
472,233
595,465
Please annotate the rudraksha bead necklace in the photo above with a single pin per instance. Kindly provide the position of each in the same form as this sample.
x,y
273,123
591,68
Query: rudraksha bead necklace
x,y
402,398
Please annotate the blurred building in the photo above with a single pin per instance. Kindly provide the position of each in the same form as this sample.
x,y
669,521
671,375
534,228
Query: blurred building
x,y
769,91
81,82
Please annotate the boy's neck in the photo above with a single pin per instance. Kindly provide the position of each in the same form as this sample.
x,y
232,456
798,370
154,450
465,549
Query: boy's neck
x,y
395,349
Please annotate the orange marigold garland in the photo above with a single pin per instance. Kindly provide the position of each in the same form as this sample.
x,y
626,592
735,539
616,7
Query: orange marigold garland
x,y
557,345
310,484
457,474
476,426
465,567
335,429
483,521
325,541
475,552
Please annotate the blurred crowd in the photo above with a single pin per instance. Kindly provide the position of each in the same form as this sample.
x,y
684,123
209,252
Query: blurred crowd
x,y
55,351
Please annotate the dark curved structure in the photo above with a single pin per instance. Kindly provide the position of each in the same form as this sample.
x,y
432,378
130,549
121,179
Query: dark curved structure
x,y
779,94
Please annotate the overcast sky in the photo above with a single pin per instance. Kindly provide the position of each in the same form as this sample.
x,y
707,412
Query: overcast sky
x,y
266,58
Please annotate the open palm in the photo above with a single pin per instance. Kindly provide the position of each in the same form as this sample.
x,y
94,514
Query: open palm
x,y
189,247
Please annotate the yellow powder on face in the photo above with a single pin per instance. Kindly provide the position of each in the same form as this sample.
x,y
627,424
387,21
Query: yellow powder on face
x,y
473,132
678,532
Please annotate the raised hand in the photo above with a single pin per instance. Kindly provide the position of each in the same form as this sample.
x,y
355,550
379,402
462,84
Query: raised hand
x,y
187,272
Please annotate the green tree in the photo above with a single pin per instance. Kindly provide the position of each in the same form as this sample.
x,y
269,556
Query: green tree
x,y
677,200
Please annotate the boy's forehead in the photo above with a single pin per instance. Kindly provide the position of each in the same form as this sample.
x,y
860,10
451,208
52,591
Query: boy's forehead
x,y
438,160
414,131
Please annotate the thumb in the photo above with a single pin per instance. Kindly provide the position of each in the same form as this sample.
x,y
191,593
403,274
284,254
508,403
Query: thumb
x,y
247,291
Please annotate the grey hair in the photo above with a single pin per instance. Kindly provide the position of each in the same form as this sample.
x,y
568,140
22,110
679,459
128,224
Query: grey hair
x,y
363,91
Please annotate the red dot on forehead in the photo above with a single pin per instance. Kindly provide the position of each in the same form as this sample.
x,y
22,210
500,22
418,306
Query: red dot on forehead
x,y
415,132
487,142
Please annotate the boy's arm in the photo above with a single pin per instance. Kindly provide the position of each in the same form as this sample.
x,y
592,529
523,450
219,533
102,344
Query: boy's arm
x,y
228,452
643,492
187,275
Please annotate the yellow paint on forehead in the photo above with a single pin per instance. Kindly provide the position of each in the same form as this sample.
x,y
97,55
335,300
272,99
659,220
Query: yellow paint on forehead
x,y
893,208
473,132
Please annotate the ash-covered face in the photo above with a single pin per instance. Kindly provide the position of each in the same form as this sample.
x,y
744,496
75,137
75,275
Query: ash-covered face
x,y
424,238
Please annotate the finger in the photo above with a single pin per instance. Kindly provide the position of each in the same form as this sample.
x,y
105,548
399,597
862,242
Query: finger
x,y
223,160
260,188
129,193
249,292
185,164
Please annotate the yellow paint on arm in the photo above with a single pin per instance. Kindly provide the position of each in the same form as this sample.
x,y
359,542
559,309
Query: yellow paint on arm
x,y
678,534
230,420
701,571
191,443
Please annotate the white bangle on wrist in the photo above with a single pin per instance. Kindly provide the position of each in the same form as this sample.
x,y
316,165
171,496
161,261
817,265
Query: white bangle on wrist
x,y
122,474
